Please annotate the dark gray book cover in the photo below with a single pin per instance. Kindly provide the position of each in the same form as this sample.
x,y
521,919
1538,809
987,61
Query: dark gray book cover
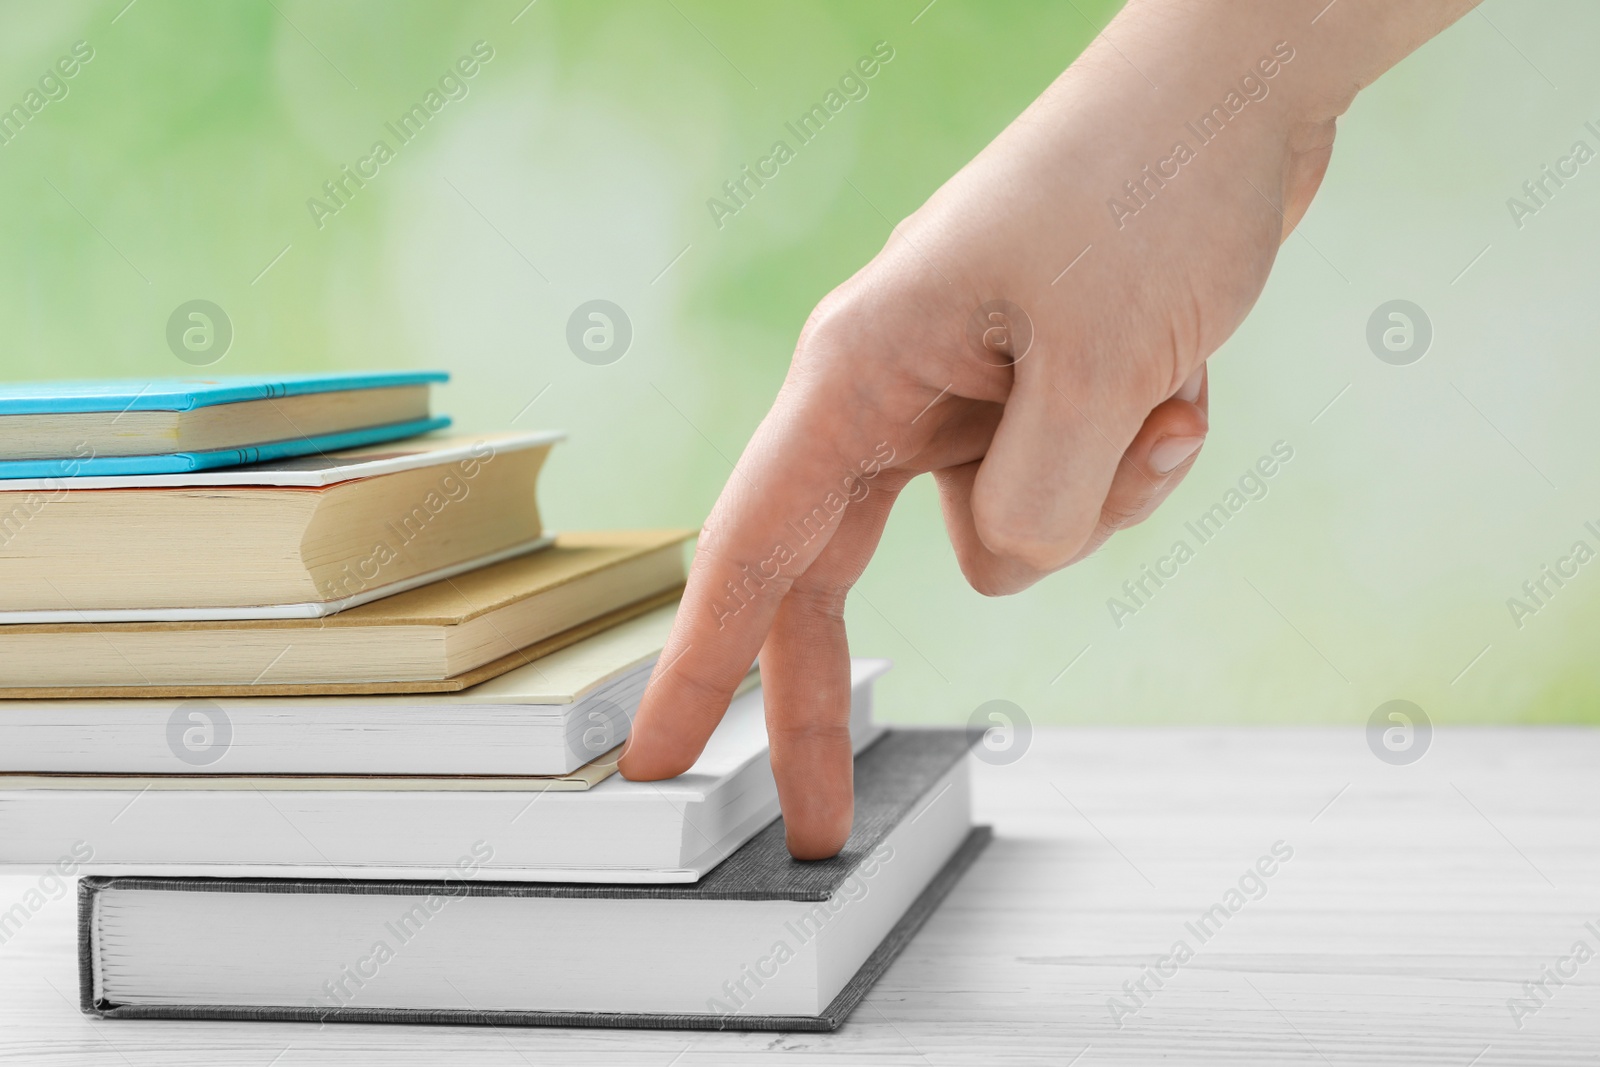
x,y
890,777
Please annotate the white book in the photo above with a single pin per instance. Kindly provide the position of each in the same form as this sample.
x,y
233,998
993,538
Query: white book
x,y
763,942
616,831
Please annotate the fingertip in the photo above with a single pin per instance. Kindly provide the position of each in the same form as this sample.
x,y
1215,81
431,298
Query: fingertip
x,y
1170,437
640,769
1170,453
815,775
676,716
818,840
646,759
1161,453
1189,391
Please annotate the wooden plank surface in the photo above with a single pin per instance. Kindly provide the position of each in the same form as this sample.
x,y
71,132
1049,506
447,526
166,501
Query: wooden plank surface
x,y
1416,903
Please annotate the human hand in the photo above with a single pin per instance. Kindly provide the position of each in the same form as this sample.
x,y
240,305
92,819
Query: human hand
x,y
1070,416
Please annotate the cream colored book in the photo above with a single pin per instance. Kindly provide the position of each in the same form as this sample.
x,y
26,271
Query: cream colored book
x,y
145,549
550,716
586,777
438,638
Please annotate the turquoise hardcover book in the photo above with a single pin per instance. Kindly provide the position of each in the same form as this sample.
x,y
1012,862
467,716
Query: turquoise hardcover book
x,y
68,429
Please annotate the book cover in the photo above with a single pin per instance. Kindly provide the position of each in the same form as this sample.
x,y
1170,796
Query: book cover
x,y
310,471
188,462
892,776
186,394
547,573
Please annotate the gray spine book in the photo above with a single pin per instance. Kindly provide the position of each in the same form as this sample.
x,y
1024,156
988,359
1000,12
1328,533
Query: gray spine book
x,y
890,777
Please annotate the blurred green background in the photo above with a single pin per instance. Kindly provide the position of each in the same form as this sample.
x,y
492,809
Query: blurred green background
x,y
577,165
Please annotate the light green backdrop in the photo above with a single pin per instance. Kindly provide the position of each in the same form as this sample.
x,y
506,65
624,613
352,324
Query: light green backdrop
x,y
577,165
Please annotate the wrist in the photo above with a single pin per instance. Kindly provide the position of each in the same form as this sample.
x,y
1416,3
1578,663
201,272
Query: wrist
x,y
1339,47
1260,56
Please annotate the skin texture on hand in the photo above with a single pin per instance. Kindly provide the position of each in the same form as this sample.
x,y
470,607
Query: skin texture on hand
x,y
1037,349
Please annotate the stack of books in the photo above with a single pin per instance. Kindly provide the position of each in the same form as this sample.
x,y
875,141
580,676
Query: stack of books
x,y
327,724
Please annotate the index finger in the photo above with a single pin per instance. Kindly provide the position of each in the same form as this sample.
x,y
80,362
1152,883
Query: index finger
x,y
806,463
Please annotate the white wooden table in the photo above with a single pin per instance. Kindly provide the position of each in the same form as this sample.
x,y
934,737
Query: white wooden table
x,y
1417,901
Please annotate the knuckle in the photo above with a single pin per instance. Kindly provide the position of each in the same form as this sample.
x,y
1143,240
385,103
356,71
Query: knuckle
x,y
700,692
1028,547
991,576
817,599
986,583
1128,520
811,733
696,690
837,317
1121,514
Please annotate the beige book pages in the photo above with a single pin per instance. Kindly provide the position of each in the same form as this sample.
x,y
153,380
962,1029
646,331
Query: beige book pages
x,y
507,615
214,426
241,546
585,777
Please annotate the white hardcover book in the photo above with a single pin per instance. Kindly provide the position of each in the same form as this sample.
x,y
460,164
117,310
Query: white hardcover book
x,y
763,942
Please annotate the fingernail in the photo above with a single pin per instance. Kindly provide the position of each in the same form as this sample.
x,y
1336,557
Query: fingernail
x,y
1168,454
1190,389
